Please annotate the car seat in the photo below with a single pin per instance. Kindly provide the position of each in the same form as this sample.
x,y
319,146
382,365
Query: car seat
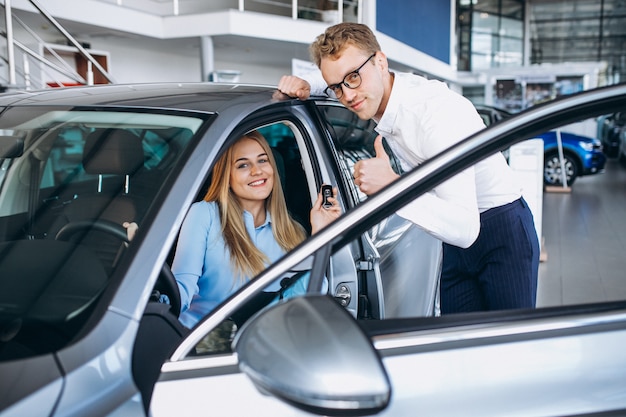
x,y
114,155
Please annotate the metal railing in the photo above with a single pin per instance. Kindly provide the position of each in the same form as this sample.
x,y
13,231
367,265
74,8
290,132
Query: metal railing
x,y
58,72
51,69
321,10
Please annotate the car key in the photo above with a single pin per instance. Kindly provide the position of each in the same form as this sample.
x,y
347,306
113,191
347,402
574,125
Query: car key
x,y
327,191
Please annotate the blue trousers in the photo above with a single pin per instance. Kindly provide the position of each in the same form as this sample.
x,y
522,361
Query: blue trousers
x,y
499,271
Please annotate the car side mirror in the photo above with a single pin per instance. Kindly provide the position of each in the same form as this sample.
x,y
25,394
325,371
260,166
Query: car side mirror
x,y
310,353
11,147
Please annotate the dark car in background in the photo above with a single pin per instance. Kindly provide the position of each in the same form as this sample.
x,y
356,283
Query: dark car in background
x,y
581,155
611,128
621,152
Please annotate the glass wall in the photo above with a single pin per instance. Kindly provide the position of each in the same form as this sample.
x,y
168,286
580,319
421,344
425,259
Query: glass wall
x,y
490,34
579,31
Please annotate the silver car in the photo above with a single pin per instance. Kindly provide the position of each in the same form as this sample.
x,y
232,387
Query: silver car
x,y
87,328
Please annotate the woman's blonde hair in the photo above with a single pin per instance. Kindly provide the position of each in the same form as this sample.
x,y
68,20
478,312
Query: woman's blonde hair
x,y
333,41
246,258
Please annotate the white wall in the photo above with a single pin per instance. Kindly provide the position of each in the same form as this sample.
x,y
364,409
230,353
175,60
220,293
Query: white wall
x,y
148,60
139,60
253,74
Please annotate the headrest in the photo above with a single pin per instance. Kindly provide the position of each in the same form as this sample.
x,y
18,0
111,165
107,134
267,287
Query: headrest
x,y
112,151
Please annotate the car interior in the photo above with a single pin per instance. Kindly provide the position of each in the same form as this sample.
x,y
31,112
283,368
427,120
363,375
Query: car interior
x,y
74,184
117,154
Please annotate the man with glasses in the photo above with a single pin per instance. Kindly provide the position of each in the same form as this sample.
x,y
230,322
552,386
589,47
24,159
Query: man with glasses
x,y
491,250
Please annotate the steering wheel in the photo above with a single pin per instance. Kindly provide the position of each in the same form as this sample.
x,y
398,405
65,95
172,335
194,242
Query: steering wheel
x,y
166,283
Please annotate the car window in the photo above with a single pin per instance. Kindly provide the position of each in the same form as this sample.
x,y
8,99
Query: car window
x,y
219,339
295,171
292,173
407,279
537,163
486,118
71,178
65,161
354,140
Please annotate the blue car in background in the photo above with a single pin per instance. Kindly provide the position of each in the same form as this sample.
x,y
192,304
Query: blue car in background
x,y
582,155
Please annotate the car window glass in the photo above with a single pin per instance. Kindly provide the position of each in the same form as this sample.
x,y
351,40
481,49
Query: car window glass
x,y
66,154
538,166
583,166
400,274
293,177
354,140
72,179
219,339
486,118
292,163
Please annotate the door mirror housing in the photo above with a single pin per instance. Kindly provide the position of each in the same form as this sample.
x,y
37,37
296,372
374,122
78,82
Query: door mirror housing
x,y
11,147
310,353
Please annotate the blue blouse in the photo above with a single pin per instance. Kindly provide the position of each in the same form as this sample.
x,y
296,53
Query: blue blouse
x,y
202,264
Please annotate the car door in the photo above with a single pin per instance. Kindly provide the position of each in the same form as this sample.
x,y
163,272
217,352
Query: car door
x,y
405,281
204,361
309,152
562,358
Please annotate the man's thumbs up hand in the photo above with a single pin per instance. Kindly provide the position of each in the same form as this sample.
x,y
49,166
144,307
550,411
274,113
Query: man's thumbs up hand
x,y
371,175
379,148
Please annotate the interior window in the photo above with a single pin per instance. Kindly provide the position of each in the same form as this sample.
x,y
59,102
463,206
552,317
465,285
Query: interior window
x,y
282,140
74,177
354,140
292,171
408,278
80,180
66,155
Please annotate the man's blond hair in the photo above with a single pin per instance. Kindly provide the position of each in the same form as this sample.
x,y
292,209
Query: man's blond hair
x,y
332,42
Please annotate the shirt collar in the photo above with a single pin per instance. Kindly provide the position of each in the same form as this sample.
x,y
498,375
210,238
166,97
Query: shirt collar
x,y
249,220
388,119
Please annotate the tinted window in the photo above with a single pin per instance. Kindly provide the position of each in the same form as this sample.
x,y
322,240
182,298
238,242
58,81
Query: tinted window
x,y
77,171
408,279
354,140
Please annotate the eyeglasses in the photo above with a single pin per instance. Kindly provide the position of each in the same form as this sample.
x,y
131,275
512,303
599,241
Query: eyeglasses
x,y
352,80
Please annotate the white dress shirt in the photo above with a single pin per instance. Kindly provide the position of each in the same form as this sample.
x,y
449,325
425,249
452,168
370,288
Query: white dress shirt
x,y
424,117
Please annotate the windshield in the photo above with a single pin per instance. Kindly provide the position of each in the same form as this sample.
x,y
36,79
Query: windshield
x,y
69,179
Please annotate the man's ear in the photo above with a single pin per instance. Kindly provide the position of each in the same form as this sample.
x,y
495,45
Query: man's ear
x,y
381,61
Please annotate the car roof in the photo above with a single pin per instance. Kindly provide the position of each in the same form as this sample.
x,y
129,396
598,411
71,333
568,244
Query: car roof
x,y
201,97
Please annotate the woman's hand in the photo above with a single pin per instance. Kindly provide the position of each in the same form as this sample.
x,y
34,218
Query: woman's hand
x,y
322,217
131,229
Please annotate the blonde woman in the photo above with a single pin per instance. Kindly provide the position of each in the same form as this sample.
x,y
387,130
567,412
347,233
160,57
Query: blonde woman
x,y
240,227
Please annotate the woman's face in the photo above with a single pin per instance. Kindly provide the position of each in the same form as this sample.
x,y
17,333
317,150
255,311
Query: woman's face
x,y
251,173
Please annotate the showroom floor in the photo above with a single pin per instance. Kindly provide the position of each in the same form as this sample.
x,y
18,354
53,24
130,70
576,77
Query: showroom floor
x,y
584,234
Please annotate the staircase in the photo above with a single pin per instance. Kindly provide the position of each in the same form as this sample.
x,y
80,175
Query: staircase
x,y
25,68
